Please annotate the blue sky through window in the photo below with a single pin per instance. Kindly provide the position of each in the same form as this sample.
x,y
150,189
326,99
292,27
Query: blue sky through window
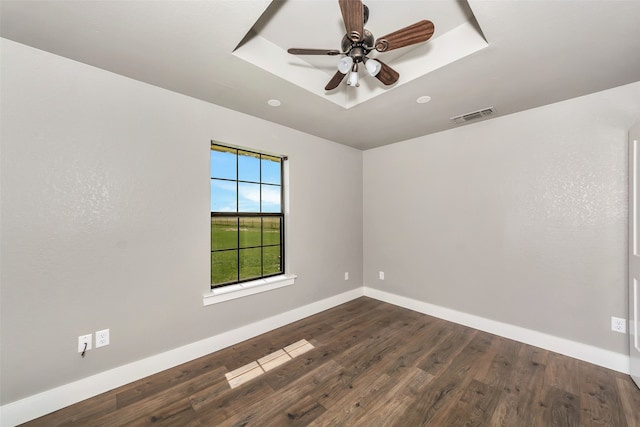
x,y
249,196
248,167
223,165
270,172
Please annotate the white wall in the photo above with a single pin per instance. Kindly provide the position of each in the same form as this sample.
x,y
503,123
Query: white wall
x,y
105,219
521,219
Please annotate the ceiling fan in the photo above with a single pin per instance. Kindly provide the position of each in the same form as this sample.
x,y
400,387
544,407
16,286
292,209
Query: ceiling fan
x,y
358,42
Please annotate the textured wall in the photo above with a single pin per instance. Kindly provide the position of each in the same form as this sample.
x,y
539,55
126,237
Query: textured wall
x,y
105,219
521,219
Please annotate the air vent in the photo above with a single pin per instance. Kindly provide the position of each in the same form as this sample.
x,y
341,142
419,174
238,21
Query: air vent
x,y
474,115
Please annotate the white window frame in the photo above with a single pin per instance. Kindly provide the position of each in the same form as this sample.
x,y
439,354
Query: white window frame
x,y
244,289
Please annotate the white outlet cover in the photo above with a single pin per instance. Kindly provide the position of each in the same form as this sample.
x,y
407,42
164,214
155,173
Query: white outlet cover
x,y
619,325
102,338
381,275
346,275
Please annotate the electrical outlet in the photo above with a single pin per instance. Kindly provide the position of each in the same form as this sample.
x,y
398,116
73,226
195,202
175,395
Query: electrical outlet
x,y
619,325
82,340
346,275
381,275
102,338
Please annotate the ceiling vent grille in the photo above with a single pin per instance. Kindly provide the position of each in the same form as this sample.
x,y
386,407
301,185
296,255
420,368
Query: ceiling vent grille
x,y
474,115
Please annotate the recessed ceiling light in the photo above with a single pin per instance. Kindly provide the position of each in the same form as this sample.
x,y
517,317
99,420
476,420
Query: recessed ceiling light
x,y
423,99
274,102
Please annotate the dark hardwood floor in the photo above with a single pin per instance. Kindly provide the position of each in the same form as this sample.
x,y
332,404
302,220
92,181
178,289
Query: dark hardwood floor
x,y
374,364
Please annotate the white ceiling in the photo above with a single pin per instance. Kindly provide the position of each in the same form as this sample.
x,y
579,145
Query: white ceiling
x,y
511,55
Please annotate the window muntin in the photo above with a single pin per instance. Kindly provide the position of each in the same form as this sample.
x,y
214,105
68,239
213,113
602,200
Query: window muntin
x,y
247,218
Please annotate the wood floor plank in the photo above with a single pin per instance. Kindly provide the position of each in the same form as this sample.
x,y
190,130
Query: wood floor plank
x,y
374,364
522,394
600,402
561,408
630,397
561,373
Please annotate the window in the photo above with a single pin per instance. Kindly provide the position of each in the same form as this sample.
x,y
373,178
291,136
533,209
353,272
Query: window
x,y
247,215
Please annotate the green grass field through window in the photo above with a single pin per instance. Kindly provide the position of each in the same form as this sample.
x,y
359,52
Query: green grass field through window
x,y
254,243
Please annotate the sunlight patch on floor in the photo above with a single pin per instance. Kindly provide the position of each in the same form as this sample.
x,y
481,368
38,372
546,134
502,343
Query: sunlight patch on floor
x,y
256,368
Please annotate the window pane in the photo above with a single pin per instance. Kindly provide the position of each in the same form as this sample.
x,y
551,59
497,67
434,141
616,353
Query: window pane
x,y
224,267
250,263
249,232
249,197
271,198
248,166
272,260
223,162
224,233
223,196
271,231
271,170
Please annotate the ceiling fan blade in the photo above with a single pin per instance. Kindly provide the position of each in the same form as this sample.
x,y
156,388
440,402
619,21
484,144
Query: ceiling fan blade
x,y
416,33
335,81
353,16
296,51
387,75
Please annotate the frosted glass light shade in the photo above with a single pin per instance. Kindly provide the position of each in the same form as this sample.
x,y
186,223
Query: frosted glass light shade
x,y
373,67
344,65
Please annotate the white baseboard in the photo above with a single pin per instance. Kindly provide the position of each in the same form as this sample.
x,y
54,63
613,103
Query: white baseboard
x,y
48,401
588,353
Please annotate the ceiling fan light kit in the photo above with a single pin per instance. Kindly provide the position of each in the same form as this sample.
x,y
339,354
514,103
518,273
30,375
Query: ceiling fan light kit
x,y
358,42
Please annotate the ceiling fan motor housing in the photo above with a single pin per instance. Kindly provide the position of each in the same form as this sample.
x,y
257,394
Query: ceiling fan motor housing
x,y
360,49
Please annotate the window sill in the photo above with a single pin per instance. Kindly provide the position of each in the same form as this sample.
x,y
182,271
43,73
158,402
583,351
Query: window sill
x,y
240,290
